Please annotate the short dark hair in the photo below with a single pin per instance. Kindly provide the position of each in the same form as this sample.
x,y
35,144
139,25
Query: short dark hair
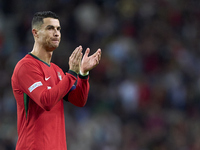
x,y
38,17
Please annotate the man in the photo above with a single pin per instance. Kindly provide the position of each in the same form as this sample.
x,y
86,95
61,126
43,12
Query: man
x,y
39,87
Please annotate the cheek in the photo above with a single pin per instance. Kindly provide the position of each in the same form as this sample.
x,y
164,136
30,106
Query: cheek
x,y
42,37
46,39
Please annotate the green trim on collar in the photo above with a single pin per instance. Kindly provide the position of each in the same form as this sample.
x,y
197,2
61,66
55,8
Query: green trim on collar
x,y
38,59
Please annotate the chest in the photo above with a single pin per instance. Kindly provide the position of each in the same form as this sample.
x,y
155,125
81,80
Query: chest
x,y
52,75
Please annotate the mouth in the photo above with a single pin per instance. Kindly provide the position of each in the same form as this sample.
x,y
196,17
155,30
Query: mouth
x,y
56,41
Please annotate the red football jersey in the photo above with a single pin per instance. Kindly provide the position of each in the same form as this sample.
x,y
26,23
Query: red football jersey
x,y
39,89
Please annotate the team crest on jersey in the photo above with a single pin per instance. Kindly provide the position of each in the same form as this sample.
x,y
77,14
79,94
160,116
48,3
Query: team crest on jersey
x,y
59,76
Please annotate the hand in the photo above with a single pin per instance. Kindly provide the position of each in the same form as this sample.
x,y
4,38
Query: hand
x,y
90,62
75,59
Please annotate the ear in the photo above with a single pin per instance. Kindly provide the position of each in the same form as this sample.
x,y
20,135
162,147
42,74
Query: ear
x,y
35,33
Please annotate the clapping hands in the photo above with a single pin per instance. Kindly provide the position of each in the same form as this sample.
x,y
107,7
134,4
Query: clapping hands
x,y
85,64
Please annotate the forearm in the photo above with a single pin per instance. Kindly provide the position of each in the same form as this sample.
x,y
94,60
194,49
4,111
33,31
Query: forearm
x,y
79,95
47,99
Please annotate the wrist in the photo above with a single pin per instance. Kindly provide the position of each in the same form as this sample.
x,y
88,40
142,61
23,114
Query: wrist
x,y
84,73
72,73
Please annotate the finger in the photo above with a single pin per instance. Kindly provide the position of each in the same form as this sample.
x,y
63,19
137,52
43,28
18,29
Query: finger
x,y
74,52
78,52
96,61
79,57
99,54
87,52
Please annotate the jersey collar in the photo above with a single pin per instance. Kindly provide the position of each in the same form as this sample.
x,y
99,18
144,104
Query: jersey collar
x,y
38,59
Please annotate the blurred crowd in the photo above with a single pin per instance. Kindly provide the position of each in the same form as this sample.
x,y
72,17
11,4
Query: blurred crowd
x,y
144,94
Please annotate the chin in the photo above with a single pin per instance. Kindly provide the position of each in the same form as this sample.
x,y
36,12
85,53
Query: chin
x,y
53,47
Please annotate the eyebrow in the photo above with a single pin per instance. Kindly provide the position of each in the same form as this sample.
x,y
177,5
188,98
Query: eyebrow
x,y
51,26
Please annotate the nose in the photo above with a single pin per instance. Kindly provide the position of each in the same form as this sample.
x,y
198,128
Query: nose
x,y
56,33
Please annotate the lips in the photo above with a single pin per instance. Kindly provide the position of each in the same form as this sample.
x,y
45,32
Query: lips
x,y
55,41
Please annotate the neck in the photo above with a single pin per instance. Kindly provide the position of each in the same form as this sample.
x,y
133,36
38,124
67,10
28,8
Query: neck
x,y
42,53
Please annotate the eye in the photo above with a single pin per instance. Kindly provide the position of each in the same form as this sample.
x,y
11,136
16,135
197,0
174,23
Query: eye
x,y
58,28
50,28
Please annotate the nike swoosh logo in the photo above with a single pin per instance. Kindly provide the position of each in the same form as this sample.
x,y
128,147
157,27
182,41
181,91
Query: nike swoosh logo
x,y
47,78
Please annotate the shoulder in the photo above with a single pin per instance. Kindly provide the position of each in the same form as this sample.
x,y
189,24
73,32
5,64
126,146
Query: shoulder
x,y
26,64
26,61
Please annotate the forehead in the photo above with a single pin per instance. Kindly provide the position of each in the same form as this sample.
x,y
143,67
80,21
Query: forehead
x,y
50,21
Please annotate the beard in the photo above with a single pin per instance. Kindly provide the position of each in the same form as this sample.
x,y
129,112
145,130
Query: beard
x,y
51,45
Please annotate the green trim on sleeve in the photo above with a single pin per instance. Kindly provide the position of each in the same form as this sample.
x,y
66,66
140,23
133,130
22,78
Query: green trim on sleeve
x,y
72,73
26,101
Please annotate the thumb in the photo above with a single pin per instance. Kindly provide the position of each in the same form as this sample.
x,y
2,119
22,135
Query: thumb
x,y
87,52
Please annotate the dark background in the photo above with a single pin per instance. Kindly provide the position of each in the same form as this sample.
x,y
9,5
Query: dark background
x,y
145,93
